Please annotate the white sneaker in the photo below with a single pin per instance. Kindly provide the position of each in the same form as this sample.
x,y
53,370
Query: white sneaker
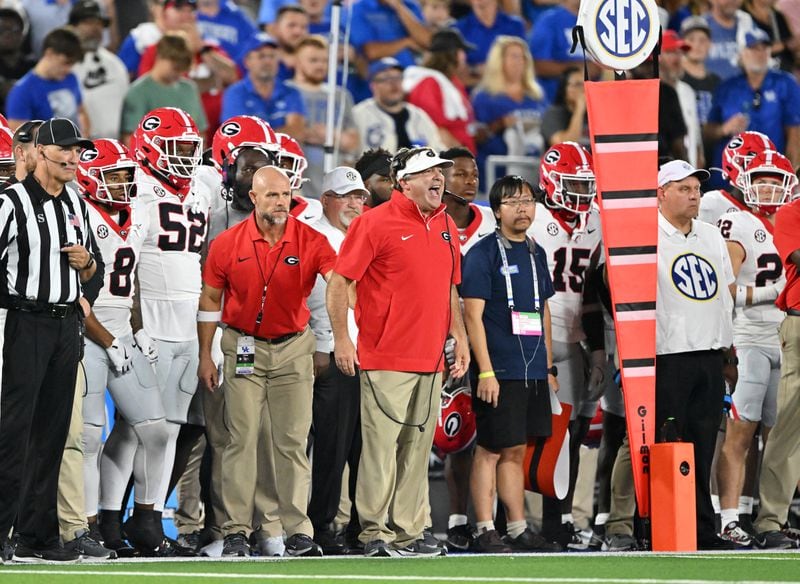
x,y
272,547
734,533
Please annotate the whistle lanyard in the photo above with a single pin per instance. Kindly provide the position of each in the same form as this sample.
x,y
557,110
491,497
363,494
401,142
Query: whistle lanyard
x,y
507,274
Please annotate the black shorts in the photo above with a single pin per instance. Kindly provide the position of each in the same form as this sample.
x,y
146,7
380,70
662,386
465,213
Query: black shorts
x,y
521,413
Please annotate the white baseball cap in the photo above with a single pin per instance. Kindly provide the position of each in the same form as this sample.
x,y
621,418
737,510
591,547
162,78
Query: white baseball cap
x,y
342,180
675,170
423,160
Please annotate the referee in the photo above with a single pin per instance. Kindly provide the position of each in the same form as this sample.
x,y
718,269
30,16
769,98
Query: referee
x,y
43,252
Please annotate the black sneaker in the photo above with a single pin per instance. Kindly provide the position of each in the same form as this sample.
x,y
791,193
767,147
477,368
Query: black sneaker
x,y
419,548
377,548
460,537
331,543
489,542
89,548
236,545
8,548
528,541
144,531
714,543
190,540
28,555
573,538
774,540
301,545
432,540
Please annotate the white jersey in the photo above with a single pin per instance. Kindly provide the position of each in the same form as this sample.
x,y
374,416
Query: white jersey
x,y
762,266
306,209
569,255
483,223
120,246
715,204
169,267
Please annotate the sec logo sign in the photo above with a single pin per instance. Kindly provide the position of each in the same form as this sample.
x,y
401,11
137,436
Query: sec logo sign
x,y
620,34
695,277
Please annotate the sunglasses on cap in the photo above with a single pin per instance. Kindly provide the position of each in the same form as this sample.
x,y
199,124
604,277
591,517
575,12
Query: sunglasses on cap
x,y
25,133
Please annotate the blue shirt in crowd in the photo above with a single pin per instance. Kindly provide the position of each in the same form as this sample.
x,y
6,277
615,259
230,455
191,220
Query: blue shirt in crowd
x,y
482,277
35,98
482,37
551,40
241,99
230,27
723,56
374,21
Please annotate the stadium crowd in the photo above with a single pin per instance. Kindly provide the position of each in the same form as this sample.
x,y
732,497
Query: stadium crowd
x,y
169,236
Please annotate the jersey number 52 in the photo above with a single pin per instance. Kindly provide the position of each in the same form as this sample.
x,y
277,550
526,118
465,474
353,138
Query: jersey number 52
x,y
176,235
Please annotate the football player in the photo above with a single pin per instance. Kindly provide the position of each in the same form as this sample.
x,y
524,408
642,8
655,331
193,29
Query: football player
x,y
767,183
567,226
8,165
138,440
735,156
292,159
168,148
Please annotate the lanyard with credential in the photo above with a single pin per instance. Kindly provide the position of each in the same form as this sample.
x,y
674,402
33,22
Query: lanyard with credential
x,y
507,274
266,281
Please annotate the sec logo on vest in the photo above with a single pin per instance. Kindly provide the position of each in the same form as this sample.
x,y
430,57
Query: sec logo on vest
x,y
620,34
695,277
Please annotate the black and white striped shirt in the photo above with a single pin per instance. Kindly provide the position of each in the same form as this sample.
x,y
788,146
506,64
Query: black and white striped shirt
x,y
34,226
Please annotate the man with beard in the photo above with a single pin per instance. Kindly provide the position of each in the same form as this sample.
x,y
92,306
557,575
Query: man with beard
x,y
374,166
266,266
337,431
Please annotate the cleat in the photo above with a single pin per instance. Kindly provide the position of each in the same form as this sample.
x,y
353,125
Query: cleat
x,y
490,542
528,541
734,533
460,537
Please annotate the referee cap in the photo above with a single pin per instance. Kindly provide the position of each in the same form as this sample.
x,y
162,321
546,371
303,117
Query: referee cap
x,y
61,132
342,180
676,170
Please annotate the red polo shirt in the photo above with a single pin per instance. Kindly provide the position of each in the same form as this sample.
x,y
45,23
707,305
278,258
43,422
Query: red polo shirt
x,y
787,240
404,265
290,266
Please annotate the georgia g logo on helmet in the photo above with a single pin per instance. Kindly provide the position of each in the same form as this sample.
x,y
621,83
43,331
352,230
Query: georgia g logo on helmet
x,y
552,156
151,123
88,155
230,129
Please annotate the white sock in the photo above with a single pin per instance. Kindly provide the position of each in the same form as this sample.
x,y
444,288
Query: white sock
x,y
516,528
456,520
745,505
715,503
728,516
601,518
484,526
567,518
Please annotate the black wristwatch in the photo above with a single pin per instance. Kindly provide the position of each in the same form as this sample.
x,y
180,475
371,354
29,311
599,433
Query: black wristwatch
x,y
553,371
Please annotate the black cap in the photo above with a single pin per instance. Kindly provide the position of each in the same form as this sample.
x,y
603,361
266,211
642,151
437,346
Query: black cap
x,y
449,39
85,10
61,132
380,165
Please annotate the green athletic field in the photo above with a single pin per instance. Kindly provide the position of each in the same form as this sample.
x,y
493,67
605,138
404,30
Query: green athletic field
x,y
597,568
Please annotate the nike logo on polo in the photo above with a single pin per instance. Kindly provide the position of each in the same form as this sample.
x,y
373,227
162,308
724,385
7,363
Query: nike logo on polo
x,y
591,230
307,217
480,235
243,259
405,237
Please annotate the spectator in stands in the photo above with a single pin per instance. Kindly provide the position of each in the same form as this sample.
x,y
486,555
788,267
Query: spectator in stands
x,y
759,99
771,20
103,76
728,25
671,70
311,74
565,120
374,166
225,23
319,15
389,28
436,14
290,28
50,89
164,85
387,120
13,61
260,94
697,34
509,102
550,42
44,16
482,26
436,88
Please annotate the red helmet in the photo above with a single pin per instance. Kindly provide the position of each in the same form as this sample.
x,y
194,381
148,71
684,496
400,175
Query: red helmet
x,y
106,156
738,152
765,198
455,427
3,121
292,159
157,139
566,176
243,132
7,163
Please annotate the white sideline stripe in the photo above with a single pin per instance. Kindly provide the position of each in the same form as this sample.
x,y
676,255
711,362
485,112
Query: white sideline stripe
x,y
375,578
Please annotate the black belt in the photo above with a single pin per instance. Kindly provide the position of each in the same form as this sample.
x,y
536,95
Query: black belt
x,y
275,341
792,312
52,310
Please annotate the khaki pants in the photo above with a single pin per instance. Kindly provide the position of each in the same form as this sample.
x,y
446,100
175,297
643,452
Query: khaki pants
x,y
189,515
71,505
623,498
393,471
780,468
274,405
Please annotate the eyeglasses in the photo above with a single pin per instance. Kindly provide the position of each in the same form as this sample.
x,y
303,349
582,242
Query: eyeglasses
x,y
518,203
350,197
